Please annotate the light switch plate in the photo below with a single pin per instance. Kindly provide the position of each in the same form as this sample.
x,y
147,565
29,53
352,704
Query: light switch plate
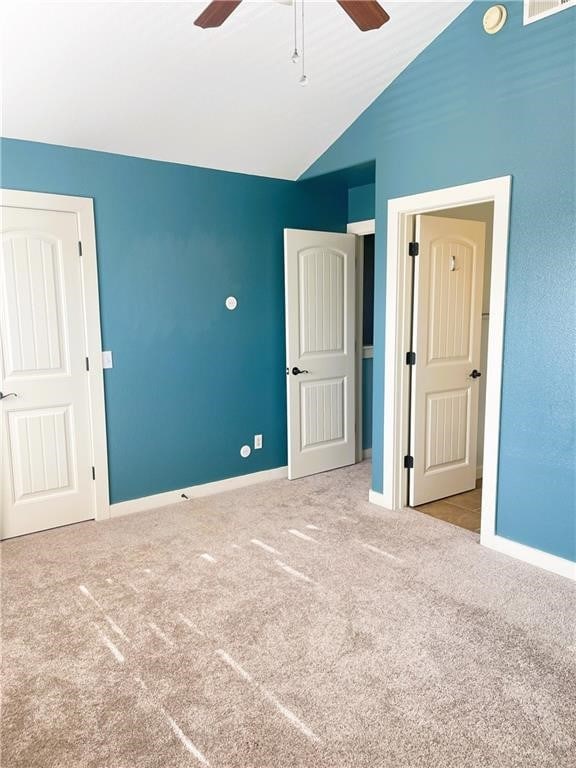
x,y
257,441
107,359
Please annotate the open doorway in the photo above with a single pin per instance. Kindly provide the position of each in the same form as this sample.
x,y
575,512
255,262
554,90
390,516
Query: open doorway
x,y
365,232
451,316
398,329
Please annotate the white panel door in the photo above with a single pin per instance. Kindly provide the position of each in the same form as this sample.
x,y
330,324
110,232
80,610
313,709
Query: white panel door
x,y
46,465
320,270
447,335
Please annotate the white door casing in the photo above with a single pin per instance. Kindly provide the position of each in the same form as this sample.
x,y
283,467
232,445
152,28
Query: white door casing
x,y
320,340
52,431
397,341
447,337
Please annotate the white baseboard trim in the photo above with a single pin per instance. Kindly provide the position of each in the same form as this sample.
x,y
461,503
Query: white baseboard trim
x,y
367,453
548,562
206,489
376,498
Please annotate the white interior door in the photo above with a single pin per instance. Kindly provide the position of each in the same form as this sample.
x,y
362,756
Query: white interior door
x,y
46,464
320,270
447,335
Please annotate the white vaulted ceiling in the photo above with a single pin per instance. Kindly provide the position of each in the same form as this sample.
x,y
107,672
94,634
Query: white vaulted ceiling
x,y
138,78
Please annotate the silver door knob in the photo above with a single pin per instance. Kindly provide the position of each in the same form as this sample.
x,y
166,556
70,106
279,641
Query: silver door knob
x,y
8,394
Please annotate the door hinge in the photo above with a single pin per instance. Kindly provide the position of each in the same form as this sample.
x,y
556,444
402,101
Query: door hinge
x,y
413,249
408,462
410,358
93,473
87,364
79,248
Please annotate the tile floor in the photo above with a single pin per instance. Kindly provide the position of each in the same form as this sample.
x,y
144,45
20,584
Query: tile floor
x,y
462,510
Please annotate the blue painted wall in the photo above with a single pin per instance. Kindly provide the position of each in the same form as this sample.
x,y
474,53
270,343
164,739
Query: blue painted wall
x,y
470,107
361,202
191,381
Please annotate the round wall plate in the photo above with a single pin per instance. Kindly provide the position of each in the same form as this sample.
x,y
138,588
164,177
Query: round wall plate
x,y
494,19
245,451
231,302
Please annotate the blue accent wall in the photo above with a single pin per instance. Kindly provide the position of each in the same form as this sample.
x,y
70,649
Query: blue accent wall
x,y
192,382
474,106
361,202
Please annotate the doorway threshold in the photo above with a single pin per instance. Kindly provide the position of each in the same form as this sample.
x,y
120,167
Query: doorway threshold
x,y
462,510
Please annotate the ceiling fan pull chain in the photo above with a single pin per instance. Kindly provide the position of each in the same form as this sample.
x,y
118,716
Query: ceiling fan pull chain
x,y
295,54
304,78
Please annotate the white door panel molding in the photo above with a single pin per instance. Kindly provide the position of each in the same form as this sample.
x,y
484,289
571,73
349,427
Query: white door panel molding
x,y
448,279
52,426
320,350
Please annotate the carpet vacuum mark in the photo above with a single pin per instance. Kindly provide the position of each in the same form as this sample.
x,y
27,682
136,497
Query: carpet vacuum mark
x,y
285,625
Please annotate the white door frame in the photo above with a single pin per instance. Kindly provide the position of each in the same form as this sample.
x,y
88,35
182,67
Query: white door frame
x,y
83,208
360,228
398,296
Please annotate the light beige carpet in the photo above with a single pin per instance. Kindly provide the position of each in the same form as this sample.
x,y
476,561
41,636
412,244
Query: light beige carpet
x,y
284,625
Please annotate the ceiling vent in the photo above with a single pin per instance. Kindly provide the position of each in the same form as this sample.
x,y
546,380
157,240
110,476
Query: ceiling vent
x,y
534,10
